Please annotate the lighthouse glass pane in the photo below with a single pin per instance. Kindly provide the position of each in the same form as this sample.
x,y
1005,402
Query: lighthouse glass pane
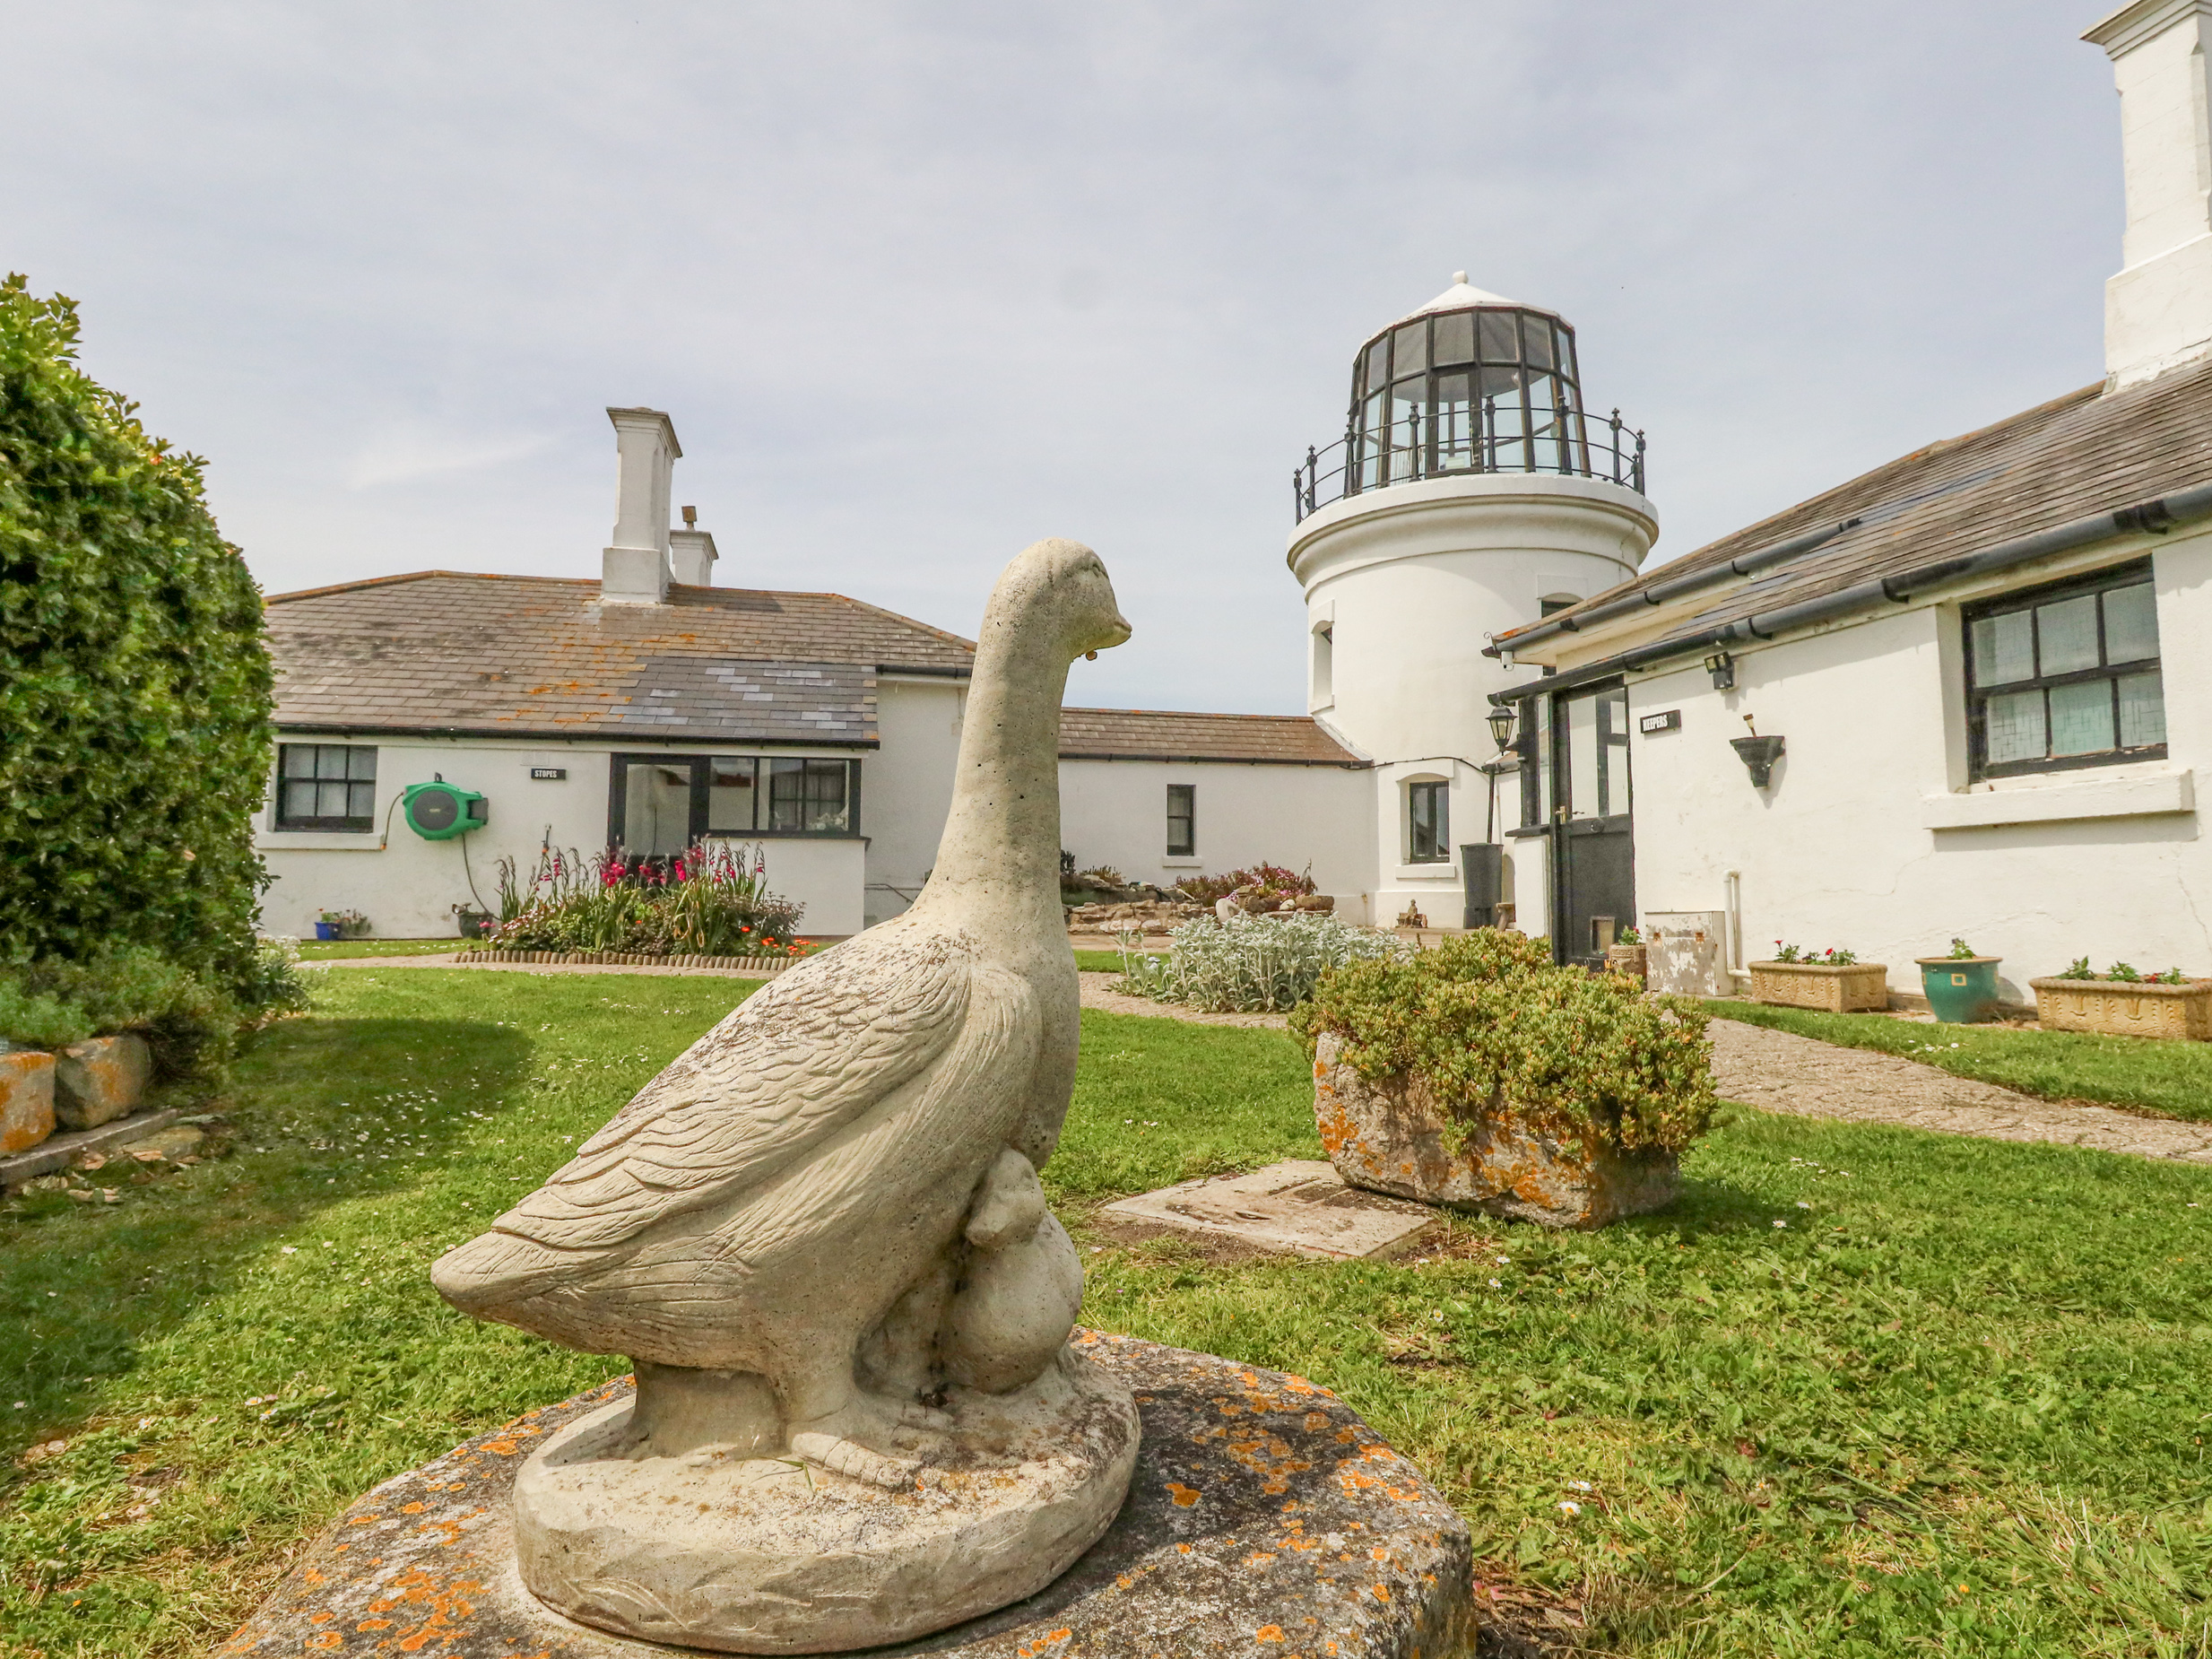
x,y
2081,718
2004,649
1455,338
1408,437
2130,624
2066,635
1378,364
657,809
1409,349
1499,341
2016,728
1456,428
1567,356
1539,335
2142,711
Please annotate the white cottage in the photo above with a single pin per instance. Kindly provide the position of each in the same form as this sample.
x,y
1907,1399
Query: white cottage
x,y
651,708
1963,695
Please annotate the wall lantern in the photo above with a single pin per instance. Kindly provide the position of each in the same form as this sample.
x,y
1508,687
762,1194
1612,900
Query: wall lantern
x,y
1501,728
1722,666
1757,753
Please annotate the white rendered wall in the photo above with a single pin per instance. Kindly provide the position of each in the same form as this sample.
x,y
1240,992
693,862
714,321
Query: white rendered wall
x,y
1867,838
906,787
1410,582
407,886
1114,812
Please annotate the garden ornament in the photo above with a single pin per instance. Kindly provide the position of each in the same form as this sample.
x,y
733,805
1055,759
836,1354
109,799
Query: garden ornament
x,y
820,1237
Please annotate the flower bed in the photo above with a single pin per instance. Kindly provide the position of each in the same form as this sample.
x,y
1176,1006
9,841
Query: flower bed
x,y
764,967
709,902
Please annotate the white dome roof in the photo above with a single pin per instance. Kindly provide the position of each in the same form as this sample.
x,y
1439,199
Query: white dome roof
x,y
1461,295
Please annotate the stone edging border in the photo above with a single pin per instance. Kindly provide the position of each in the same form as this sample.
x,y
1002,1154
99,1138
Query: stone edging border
x,y
767,967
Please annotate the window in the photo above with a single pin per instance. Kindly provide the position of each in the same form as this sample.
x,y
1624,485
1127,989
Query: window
x,y
326,787
1182,820
1429,823
659,804
2066,676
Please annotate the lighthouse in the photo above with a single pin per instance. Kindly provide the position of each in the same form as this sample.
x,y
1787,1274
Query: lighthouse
x,y
1473,492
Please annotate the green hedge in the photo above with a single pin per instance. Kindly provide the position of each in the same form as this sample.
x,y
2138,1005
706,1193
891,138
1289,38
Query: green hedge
x,y
134,688
1496,1029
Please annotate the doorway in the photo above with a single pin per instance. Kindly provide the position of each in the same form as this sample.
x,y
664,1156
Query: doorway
x,y
1594,855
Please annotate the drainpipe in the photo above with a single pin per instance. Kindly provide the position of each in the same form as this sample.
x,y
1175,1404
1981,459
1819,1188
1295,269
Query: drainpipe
x,y
1732,942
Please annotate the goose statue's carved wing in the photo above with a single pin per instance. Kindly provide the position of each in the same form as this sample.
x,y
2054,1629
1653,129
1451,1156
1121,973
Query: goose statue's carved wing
x,y
794,1064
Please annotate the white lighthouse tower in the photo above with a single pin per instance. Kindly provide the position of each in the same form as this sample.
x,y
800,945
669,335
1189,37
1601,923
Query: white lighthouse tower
x,y
1470,493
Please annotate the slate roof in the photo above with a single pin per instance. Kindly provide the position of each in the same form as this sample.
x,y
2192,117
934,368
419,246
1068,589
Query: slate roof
x,y
505,656
1168,734
2085,453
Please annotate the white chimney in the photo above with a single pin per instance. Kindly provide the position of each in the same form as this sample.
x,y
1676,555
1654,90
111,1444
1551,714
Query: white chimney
x,y
691,552
635,570
2158,310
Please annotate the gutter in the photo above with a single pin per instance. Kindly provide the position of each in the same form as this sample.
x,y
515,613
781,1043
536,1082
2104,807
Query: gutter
x,y
1680,588
2155,516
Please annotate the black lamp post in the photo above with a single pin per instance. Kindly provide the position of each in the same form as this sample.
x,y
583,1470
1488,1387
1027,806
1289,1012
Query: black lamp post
x,y
1501,721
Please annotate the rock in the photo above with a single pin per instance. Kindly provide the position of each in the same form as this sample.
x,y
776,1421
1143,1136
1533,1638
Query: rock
x,y
100,1080
1316,901
761,1555
174,1145
1264,1517
1388,1136
1300,1206
26,1099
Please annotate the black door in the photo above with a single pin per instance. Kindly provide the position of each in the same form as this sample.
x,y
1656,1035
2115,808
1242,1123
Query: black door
x,y
1593,860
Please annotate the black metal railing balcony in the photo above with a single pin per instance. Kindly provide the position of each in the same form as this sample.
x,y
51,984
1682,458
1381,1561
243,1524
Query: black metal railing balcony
x,y
1452,440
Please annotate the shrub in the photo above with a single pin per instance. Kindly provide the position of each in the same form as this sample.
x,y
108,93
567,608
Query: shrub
x,y
134,690
1249,964
1271,881
1829,957
706,902
1495,1030
193,1023
2122,972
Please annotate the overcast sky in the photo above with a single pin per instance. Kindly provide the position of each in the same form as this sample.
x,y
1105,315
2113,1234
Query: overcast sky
x,y
920,284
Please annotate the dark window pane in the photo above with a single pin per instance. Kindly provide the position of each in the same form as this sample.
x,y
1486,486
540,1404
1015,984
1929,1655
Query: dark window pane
x,y
1538,333
2142,710
360,765
2065,636
330,800
1455,338
2003,649
2130,624
299,799
1500,343
1408,352
298,761
808,797
2081,718
1428,832
329,761
361,801
656,808
1182,820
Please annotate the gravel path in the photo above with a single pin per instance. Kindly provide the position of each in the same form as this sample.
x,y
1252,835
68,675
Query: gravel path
x,y
1782,1072
1099,992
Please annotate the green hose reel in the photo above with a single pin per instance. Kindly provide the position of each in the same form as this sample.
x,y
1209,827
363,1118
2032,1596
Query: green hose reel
x,y
440,811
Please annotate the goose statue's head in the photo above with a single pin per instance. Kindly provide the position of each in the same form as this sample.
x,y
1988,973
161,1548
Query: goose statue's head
x,y
1057,592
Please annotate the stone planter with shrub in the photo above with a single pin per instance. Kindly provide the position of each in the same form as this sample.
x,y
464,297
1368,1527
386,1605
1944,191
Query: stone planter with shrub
x,y
1482,1076
1833,986
2120,1003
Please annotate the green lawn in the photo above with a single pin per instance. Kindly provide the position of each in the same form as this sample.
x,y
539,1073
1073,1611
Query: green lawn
x,y
2146,1075
1863,1391
333,949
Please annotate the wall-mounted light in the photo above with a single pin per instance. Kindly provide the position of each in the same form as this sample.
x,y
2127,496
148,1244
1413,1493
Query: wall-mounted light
x,y
1722,666
1501,727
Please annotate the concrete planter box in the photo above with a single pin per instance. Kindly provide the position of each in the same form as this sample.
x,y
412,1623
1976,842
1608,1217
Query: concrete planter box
x,y
1626,959
26,1099
2118,1009
1388,1136
1831,988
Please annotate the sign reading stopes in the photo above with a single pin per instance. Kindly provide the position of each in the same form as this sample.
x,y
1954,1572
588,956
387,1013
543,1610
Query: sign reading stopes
x,y
549,774
1669,721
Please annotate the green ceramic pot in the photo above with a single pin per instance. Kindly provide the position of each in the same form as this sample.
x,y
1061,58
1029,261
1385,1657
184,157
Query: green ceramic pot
x,y
1961,989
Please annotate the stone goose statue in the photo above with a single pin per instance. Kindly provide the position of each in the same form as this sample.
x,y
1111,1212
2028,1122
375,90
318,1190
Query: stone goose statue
x,y
827,1207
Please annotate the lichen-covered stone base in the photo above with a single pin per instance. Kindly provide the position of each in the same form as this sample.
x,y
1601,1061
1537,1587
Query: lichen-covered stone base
x,y
100,1080
1389,1137
1264,1517
26,1099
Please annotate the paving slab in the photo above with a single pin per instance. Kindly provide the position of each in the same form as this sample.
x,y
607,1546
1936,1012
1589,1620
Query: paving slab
x,y
1301,1206
1265,1518
60,1151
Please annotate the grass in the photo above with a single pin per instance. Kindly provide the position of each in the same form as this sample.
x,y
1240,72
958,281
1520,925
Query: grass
x,y
1955,1401
2146,1075
333,950
1099,962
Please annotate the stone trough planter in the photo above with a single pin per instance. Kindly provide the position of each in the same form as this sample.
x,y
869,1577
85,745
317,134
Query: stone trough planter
x,y
1388,1136
1834,989
2119,1008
